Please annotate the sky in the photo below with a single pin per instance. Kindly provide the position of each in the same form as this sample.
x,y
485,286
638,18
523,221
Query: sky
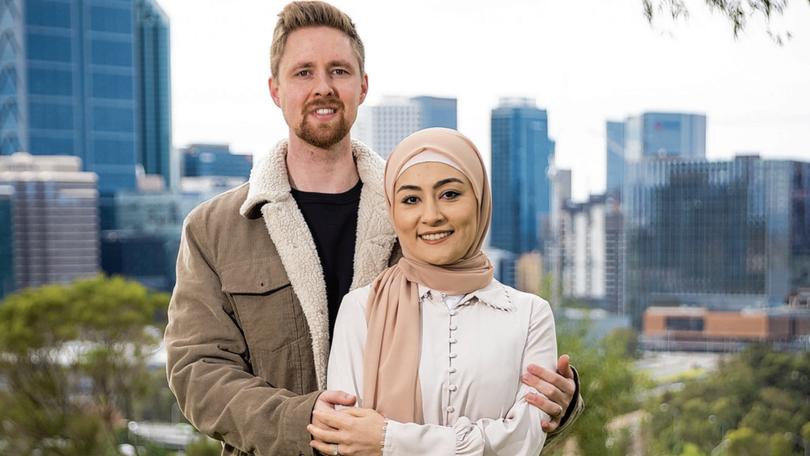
x,y
585,62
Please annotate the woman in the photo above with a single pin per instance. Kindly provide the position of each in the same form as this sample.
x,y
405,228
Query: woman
x,y
434,346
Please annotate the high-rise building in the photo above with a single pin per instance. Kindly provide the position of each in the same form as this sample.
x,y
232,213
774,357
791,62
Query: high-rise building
x,y
145,238
88,79
614,163
583,270
521,150
215,160
651,135
6,240
715,234
560,194
55,218
153,64
384,125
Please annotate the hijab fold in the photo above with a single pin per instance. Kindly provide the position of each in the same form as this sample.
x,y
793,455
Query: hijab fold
x,y
391,362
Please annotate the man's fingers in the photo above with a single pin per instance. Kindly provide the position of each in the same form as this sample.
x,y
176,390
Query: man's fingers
x,y
564,367
323,435
553,409
324,448
337,398
333,419
555,380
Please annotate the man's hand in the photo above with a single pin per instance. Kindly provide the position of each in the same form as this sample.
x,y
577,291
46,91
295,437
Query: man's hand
x,y
353,431
327,401
556,390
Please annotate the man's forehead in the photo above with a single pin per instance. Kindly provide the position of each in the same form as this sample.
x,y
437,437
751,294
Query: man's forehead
x,y
313,46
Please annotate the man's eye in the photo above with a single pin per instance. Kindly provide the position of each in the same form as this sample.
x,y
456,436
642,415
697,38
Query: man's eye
x,y
303,73
410,200
340,71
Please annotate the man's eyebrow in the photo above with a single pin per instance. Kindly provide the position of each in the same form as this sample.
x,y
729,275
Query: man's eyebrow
x,y
446,181
341,63
300,65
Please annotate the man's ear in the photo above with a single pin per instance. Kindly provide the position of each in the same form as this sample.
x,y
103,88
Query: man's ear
x,y
273,86
364,88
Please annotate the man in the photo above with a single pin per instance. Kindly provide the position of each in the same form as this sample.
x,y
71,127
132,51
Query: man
x,y
262,268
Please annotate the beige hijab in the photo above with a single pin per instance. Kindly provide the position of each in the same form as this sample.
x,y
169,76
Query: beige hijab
x,y
391,365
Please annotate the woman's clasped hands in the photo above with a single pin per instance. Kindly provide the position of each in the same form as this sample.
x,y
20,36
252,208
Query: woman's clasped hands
x,y
352,431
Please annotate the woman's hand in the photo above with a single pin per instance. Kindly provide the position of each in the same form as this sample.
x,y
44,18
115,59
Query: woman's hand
x,y
356,431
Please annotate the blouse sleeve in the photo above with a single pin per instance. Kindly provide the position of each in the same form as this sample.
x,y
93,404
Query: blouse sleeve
x,y
518,433
345,370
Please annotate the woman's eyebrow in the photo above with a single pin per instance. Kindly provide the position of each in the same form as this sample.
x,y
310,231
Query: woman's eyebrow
x,y
446,181
409,187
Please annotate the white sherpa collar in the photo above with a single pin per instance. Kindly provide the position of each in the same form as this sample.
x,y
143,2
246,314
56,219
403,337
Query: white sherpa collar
x,y
269,189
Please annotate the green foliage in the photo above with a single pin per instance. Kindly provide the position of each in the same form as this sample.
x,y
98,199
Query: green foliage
x,y
609,385
204,447
755,403
737,12
73,362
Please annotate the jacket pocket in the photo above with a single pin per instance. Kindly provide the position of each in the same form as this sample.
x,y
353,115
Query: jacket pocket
x,y
263,302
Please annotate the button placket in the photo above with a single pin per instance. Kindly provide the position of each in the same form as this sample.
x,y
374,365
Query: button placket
x,y
451,341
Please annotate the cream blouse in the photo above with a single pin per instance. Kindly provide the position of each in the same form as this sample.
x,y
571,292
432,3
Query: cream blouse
x,y
472,356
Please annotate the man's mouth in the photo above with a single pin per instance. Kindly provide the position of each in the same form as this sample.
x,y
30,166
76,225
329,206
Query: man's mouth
x,y
437,236
325,111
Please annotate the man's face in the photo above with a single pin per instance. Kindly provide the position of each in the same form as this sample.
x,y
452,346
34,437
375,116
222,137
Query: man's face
x,y
319,85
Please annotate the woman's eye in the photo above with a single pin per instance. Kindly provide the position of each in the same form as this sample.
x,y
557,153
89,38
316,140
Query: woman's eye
x,y
410,200
450,194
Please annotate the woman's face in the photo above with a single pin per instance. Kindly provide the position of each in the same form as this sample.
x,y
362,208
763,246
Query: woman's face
x,y
435,213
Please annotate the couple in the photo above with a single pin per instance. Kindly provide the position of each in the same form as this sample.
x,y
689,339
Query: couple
x,y
429,345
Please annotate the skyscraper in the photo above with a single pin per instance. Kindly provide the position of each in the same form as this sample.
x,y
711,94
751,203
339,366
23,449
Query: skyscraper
x,y
384,125
55,218
200,160
665,135
88,79
651,135
6,240
720,234
615,157
521,149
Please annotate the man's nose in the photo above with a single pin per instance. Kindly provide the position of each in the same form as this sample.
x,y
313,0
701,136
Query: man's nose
x,y
324,86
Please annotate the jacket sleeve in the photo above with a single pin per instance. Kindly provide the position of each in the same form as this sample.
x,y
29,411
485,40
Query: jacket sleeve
x,y
208,370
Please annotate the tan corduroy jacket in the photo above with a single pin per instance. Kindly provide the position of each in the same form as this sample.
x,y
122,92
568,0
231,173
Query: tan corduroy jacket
x,y
247,339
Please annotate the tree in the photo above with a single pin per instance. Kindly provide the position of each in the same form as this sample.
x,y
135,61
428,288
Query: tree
x,y
738,12
755,403
609,386
73,361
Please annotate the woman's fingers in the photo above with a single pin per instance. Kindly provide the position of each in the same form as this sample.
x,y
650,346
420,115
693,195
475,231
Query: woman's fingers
x,y
324,435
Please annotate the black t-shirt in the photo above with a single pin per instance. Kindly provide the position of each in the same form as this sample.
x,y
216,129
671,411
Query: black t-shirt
x,y
332,220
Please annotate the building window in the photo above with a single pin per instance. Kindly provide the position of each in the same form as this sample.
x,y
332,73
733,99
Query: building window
x,y
684,323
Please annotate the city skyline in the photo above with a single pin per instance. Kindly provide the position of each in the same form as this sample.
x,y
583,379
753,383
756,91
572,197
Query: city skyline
x,y
574,60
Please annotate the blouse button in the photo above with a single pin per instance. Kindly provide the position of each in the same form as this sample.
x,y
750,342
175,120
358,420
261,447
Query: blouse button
x,y
452,387
451,409
452,313
452,370
452,340
453,355
453,327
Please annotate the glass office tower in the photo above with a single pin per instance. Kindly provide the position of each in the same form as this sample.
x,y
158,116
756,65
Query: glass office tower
x,y
521,191
87,78
723,234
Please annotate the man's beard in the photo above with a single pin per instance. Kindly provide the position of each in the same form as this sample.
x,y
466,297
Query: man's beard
x,y
324,135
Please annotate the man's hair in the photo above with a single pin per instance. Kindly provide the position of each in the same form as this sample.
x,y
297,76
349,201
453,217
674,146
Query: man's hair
x,y
302,14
